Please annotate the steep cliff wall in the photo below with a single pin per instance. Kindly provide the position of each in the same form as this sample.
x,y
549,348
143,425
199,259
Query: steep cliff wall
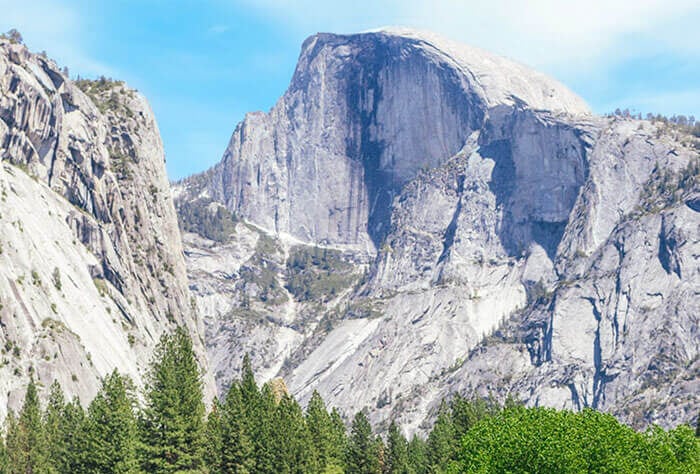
x,y
92,270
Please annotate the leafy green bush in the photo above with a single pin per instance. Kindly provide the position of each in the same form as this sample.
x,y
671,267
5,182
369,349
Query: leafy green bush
x,y
525,440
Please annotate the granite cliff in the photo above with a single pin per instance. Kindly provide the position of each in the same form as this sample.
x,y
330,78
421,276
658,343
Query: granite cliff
x,y
416,217
91,263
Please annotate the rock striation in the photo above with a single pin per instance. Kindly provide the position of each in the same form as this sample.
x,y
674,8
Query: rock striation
x,y
499,238
92,270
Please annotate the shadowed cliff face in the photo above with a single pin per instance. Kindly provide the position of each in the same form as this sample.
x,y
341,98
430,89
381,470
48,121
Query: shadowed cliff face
x,y
407,114
539,166
363,115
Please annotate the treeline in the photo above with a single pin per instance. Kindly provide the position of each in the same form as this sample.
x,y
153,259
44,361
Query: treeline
x,y
264,430
686,124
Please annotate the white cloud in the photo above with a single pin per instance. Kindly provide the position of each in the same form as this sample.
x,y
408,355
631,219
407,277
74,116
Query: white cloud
x,y
546,33
54,27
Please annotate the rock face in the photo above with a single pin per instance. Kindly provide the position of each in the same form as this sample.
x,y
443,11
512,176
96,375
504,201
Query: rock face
x,y
91,268
494,235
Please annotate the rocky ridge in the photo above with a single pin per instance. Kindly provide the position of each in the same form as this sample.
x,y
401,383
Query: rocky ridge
x,y
92,269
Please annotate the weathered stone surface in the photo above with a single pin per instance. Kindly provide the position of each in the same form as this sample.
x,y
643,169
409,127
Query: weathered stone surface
x,y
92,269
513,242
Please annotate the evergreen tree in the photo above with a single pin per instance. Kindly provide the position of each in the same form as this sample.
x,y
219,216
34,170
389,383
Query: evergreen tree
x,y
3,457
362,456
418,455
173,418
442,441
26,438
13,444
56,437
466,413
382,455
263,430
72,430
214,440
111,433
320,427
397,451
292,444
338,443
237,453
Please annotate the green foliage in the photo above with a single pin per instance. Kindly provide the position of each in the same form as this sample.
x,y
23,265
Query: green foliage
x,y
397,452
261,430
56,434
418,455
56,277
442,441
4,468
28,450
327,433
71,454
214,440
237,453
111,432
206,218
468,412
105,93
291,440
666,188
315,273
520,440
173,418
260,272
36,279
362,455
101,286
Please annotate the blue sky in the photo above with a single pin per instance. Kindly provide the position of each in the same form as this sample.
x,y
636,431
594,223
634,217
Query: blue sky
x,y
203,64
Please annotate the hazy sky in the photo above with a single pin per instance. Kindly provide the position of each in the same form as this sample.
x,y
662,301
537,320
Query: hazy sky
x,y
203,64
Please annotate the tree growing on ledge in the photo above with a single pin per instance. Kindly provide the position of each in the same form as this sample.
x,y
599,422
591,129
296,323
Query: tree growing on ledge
x,y
14,36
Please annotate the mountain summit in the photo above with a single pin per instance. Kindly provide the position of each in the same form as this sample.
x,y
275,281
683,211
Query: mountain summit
x,y
416,217
364,114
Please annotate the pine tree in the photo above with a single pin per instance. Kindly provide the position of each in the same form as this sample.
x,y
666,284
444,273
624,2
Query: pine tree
x,y
319,422
291,440
214,440
263,430
26,439
173,418
397,455
3,457
382,455
73,433
237,448
111,433
466,413
418,455
361,453
442,442
53,425
338,442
